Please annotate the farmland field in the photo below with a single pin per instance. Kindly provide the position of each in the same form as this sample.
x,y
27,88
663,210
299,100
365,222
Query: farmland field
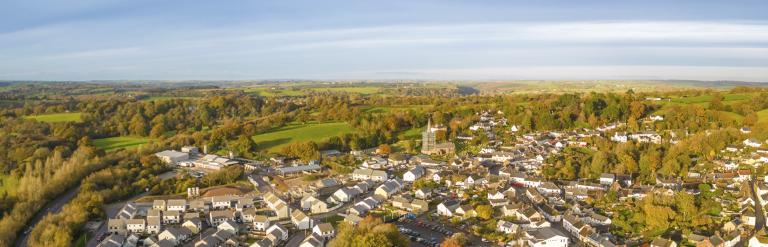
x,y
113,143
317,132
57,117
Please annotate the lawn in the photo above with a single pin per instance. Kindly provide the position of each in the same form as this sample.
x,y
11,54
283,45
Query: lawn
x,y
8,183
113,143
317,132
58,117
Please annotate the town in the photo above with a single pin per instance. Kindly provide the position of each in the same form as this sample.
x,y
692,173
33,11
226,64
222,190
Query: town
x,y
501,196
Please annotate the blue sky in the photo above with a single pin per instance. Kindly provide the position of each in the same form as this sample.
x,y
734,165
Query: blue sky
x,y
442,40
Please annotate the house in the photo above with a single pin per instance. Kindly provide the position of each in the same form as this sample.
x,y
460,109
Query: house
x,y
176,235
112,241
545,237
301,220
194,225
159,205
319,207
324,230
607,178
534,195
549,188
171,217
506,227
663,242
153,225
413,174
529,214
447,208
466,211
135,225
260,223
397,159
388,188
423,193
243,203
752,143
342,195
219,216
313,240
278,231
620,137
366,174
117,226
748,216
440,176
573,224
230,226
179,205
550,213
221,202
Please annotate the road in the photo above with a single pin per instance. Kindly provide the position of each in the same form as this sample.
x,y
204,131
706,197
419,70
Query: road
x,y
113,208
759,215
51,207
296,239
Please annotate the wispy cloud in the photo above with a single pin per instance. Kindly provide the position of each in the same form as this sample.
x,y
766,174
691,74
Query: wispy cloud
x,y
497,50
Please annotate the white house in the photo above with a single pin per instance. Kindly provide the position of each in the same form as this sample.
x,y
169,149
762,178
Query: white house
x,y
752,143
607,178
620,137
506,227
413,174
447,208
260,223
300,220
324,230
546,237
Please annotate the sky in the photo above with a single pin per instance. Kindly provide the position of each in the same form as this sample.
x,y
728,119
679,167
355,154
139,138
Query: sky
x,y
383,40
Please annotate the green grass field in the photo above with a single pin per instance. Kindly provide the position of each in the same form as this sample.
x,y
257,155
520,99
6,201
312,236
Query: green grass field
x,y
58,117
708,98
387,109
9,184
266,92
113,143
317,132
762,116
360,90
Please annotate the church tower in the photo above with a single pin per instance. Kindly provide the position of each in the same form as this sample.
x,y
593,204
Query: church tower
x,y
428,140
